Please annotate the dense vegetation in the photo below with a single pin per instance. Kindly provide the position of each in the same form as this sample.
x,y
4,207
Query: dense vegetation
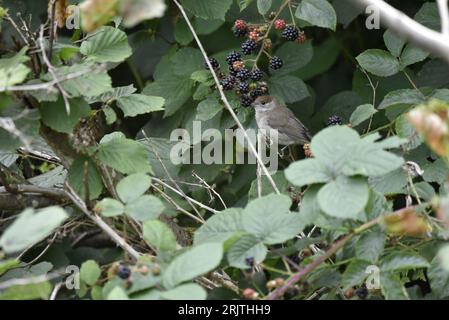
x,y
93,204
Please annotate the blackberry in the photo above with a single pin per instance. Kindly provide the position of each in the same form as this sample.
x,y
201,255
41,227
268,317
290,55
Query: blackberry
x,y
279,24
334,121
240,24
248,47
243,87
362,292
214,64
124,272
290,33
256,93
243,74
232,71
276,63
245,101
239,32
249,261
233,57
256,75
227,83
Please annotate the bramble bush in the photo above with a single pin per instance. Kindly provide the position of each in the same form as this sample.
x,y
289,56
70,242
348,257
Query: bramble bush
x,y
93,205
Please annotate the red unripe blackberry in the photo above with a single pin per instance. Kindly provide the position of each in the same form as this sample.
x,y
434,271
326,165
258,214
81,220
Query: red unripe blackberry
x,y
248,47
240,24
253,35
279,24
290,33
276,63
301,38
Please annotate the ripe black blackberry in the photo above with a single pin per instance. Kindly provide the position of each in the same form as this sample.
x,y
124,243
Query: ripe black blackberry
x,y
124,272
214,64
276,63
239,32
334,121
248,47
243,87
256,93
243,74
256,75
233,57
228,83
362,292
245,101
232,71
290,33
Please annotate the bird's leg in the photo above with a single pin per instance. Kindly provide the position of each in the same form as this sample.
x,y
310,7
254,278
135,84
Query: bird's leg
x,y
290,153
281,152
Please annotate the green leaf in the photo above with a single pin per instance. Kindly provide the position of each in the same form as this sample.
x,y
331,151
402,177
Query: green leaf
x,y
379,62
318,13
109,207
402,97
182,32
6,265
54,114
208,9
438,273
146,207
13,70
247,246
186,61
189,291
124,155
362,113
332,146
41,290
192,263
133,186
405,129
243,4
118,293
392,287
136,104
370,246
394,43
107,44
308,171
263,6
207,109
412,55
355,274
220,227
334,200
159,235
31,227
294,56
269,219
289,88
436,171
83,169
399,261
90,272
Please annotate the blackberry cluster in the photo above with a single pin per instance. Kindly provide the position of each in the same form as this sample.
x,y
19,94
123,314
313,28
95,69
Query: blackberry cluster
x,y
243,74
290,33
248,47
214,64
334,121
276,63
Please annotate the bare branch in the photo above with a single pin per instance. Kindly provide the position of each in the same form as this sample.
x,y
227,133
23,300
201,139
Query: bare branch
x,y
406,27
444,15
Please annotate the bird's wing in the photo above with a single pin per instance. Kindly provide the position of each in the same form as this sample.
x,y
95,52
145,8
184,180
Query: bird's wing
x,y
291,127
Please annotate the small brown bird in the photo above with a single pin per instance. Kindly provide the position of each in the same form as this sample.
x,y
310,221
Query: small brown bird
x,y
270,114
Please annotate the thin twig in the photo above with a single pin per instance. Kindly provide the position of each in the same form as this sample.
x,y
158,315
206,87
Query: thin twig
x,y
444,16
208,187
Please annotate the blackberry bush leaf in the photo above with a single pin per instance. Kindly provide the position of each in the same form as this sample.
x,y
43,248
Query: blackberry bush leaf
x,y
379,62
244,248
137,104
400,261
362,113
133,186
318,13
159,235
208,9
306,172
220,227
355,274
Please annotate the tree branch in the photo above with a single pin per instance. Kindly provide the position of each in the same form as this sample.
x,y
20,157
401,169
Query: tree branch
x,y
406,27
444,16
